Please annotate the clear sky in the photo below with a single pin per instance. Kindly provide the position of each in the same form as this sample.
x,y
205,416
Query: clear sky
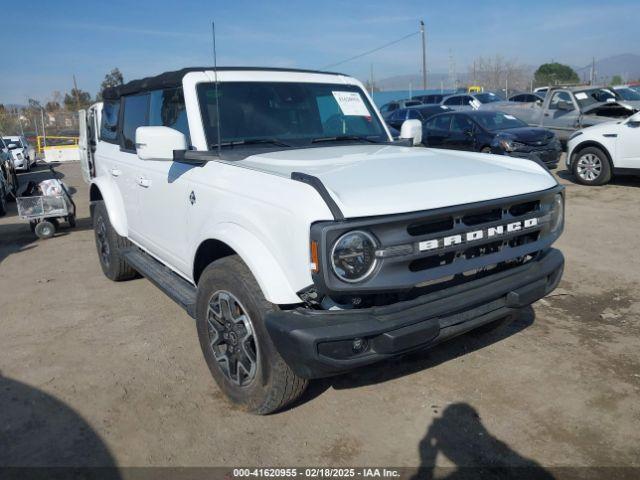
x,y
46,42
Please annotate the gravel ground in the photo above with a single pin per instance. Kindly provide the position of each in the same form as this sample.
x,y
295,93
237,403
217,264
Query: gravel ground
x,y
100,373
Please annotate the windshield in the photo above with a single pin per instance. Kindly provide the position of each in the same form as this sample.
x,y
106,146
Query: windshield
x,y
628,94
487,97
498,121
597,95
291,114
8,140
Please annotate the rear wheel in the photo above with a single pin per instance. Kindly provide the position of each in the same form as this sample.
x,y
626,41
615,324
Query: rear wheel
x,y
45,229
3,200
591,167
110,246
230,313
485,150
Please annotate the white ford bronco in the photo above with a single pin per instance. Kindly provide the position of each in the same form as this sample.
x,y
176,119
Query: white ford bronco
x,y
274,206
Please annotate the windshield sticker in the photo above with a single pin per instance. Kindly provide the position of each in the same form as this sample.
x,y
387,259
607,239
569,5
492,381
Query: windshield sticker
x,y
351,104
510,117
581,96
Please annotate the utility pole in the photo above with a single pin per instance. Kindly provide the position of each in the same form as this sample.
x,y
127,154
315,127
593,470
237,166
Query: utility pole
x,y
371,80
75,89
424,56
44,132
593,70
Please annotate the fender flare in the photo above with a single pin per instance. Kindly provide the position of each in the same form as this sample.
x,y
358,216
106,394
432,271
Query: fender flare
x,y
114,204
265,268
586,144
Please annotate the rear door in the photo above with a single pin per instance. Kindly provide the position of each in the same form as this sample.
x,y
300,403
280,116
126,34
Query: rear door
x,y
83,145
461,134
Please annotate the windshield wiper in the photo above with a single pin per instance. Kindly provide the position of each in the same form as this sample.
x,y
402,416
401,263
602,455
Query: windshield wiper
x,y
343,138
255,141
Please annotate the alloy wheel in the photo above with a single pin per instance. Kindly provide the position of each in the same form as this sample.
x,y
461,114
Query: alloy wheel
x,y
232,338
589,167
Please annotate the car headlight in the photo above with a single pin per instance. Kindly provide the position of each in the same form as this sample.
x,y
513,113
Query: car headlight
x,y
574,135
557,213
353,256
507,145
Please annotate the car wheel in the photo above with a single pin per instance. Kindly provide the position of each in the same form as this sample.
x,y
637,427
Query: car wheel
x,y
45,229
230,313
485,150
591,167
3,201
110,246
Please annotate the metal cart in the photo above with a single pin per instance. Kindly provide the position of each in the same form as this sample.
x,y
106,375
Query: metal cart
x,y
45,212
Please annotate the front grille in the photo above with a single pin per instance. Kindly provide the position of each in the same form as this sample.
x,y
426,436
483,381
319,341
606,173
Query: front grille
x,y
423,247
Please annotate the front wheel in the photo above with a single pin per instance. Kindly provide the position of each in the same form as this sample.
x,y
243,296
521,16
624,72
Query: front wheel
x,y
3,200
230,314
591,167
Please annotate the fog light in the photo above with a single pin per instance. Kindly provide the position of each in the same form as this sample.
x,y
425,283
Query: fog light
x,y
359,345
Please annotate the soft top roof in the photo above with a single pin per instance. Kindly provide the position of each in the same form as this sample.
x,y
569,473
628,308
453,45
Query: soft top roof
x,y
174,79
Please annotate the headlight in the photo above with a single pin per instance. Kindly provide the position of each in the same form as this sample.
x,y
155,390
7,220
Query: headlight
x,y
557,213
507,145
353,256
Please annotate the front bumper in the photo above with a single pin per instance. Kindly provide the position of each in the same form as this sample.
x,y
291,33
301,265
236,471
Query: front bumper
x,y
548,158
320,343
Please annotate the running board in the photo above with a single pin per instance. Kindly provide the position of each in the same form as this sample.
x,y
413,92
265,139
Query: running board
x,y
176,287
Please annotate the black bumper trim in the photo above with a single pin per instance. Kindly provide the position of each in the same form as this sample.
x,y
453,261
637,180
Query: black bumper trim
x,y
316,343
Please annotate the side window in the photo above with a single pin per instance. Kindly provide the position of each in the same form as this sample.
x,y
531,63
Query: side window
x,y
466,100
109,125
392,107
167,109
439,123
414,115
136,113
461,124
559,97
453,101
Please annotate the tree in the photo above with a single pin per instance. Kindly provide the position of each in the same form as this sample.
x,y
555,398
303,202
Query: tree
x,y
55,103
497,73
617,80
554,74
111,79
76,99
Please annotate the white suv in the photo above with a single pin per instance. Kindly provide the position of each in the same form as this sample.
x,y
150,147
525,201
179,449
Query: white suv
x,y
595,154
275,208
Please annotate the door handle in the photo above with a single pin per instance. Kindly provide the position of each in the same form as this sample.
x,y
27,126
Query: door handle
x,y
143,182
115,172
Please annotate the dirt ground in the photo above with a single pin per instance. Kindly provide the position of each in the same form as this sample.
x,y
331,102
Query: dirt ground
x,y
100,373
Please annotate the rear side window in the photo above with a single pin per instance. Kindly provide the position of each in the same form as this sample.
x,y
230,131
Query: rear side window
x,y
461,124
167,109
136,114
109,125
414,115
453,101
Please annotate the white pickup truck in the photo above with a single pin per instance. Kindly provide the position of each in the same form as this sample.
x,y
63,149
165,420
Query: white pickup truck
x,y
274,206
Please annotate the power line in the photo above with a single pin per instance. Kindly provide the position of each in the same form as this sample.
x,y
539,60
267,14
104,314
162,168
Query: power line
x,y
371,51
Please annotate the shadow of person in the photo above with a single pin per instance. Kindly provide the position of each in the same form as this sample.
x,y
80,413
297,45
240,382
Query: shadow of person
x,y
461,437
38,432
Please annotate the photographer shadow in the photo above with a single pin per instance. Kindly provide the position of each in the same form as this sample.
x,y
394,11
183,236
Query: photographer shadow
x,y
459,435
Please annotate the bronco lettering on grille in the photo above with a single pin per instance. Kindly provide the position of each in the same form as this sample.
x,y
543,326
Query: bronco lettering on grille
x,y
475,235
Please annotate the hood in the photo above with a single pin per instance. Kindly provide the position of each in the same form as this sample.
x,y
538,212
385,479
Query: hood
x,y
528,135
366,180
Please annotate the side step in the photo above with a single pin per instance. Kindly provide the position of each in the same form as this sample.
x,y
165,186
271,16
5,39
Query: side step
x,y
176,287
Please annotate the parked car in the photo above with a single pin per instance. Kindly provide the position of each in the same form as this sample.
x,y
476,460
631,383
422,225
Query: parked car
x,y
8,170
430,99
487,97
567,109
527,98
22,153
627,95
597,153
492,132
421,112
273,206
388,108
541,91
462,101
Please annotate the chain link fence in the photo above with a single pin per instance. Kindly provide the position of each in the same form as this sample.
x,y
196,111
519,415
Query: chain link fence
x,y
32,123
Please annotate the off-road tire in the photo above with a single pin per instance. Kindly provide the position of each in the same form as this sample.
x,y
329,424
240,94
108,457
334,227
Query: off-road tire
x,y
113,264
274,385
605,172
3,201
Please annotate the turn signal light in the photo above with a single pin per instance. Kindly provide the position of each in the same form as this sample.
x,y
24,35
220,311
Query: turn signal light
x,y
315,263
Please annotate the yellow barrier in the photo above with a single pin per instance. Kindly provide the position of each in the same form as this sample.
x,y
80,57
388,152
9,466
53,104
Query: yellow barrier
x,y
57,142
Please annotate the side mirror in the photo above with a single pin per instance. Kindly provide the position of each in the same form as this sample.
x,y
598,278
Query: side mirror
x,y
158,143
412,130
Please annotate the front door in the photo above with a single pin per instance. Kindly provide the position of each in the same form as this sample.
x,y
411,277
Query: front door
x,y
561,115
628,143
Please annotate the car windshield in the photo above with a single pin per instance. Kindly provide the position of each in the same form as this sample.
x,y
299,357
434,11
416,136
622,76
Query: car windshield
x,y
628,94
498,121
9,141
487,97
590,97
287,114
